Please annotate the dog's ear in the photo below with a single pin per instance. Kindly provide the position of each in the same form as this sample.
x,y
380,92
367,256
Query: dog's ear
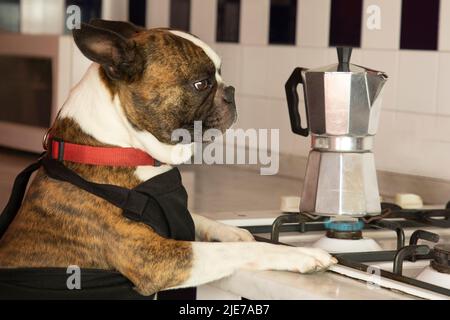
x,y
119,56
125,29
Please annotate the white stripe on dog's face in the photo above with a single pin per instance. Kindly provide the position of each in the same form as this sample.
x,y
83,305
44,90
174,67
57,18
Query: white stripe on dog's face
x,y
207,49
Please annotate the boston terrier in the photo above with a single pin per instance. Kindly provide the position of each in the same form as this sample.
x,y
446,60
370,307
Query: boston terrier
x,y
142,85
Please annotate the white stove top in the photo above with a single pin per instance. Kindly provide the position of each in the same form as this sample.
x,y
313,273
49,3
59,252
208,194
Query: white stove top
x,y
386,239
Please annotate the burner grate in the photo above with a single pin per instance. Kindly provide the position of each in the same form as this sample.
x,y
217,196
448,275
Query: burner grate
x,y
404,218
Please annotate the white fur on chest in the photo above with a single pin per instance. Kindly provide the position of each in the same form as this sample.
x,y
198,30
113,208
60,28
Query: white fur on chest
x,y
91,106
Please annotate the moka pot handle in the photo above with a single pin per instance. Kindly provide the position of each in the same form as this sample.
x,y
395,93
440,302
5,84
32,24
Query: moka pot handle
x,y
292,99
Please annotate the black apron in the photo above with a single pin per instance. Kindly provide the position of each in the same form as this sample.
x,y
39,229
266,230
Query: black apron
x,y
160,202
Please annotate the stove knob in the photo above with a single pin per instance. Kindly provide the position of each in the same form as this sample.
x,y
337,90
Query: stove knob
x,y
408,201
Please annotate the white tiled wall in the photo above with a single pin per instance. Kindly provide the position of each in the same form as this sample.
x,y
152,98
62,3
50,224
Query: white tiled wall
x,y
417,81
158,13
443,95
42,16
203,19
313,23
388,36
255,18
115,10
444,25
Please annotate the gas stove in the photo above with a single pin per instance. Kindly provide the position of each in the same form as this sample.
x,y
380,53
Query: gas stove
x,y
405,250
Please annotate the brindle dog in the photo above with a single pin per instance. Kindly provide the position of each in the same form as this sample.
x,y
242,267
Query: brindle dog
x,y
142,85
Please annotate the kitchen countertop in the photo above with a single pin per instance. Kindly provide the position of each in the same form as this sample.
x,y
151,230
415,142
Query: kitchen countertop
x,y
292,286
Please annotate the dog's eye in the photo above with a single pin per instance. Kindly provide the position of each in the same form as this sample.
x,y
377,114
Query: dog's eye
x,y
202,85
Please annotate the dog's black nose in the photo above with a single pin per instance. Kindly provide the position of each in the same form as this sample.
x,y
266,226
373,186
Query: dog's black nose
x,y
228,94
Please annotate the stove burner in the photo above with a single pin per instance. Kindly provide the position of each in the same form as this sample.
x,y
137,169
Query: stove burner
x,y
336,225
348,235
349,230
441,261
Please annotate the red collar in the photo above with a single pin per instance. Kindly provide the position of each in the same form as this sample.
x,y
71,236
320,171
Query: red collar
x,y
100,156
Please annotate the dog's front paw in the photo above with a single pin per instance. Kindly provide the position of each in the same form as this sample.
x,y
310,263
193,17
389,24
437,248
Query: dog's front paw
x,y
312,260
295,259
225,233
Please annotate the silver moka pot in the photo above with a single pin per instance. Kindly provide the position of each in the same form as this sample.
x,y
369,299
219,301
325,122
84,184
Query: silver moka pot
x,y
342,103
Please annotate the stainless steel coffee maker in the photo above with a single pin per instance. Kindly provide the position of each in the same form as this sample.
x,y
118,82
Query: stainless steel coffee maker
x,y
342,103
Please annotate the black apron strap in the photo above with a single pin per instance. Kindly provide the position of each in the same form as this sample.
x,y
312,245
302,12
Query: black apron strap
x,y
16,197
136,204
126,199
